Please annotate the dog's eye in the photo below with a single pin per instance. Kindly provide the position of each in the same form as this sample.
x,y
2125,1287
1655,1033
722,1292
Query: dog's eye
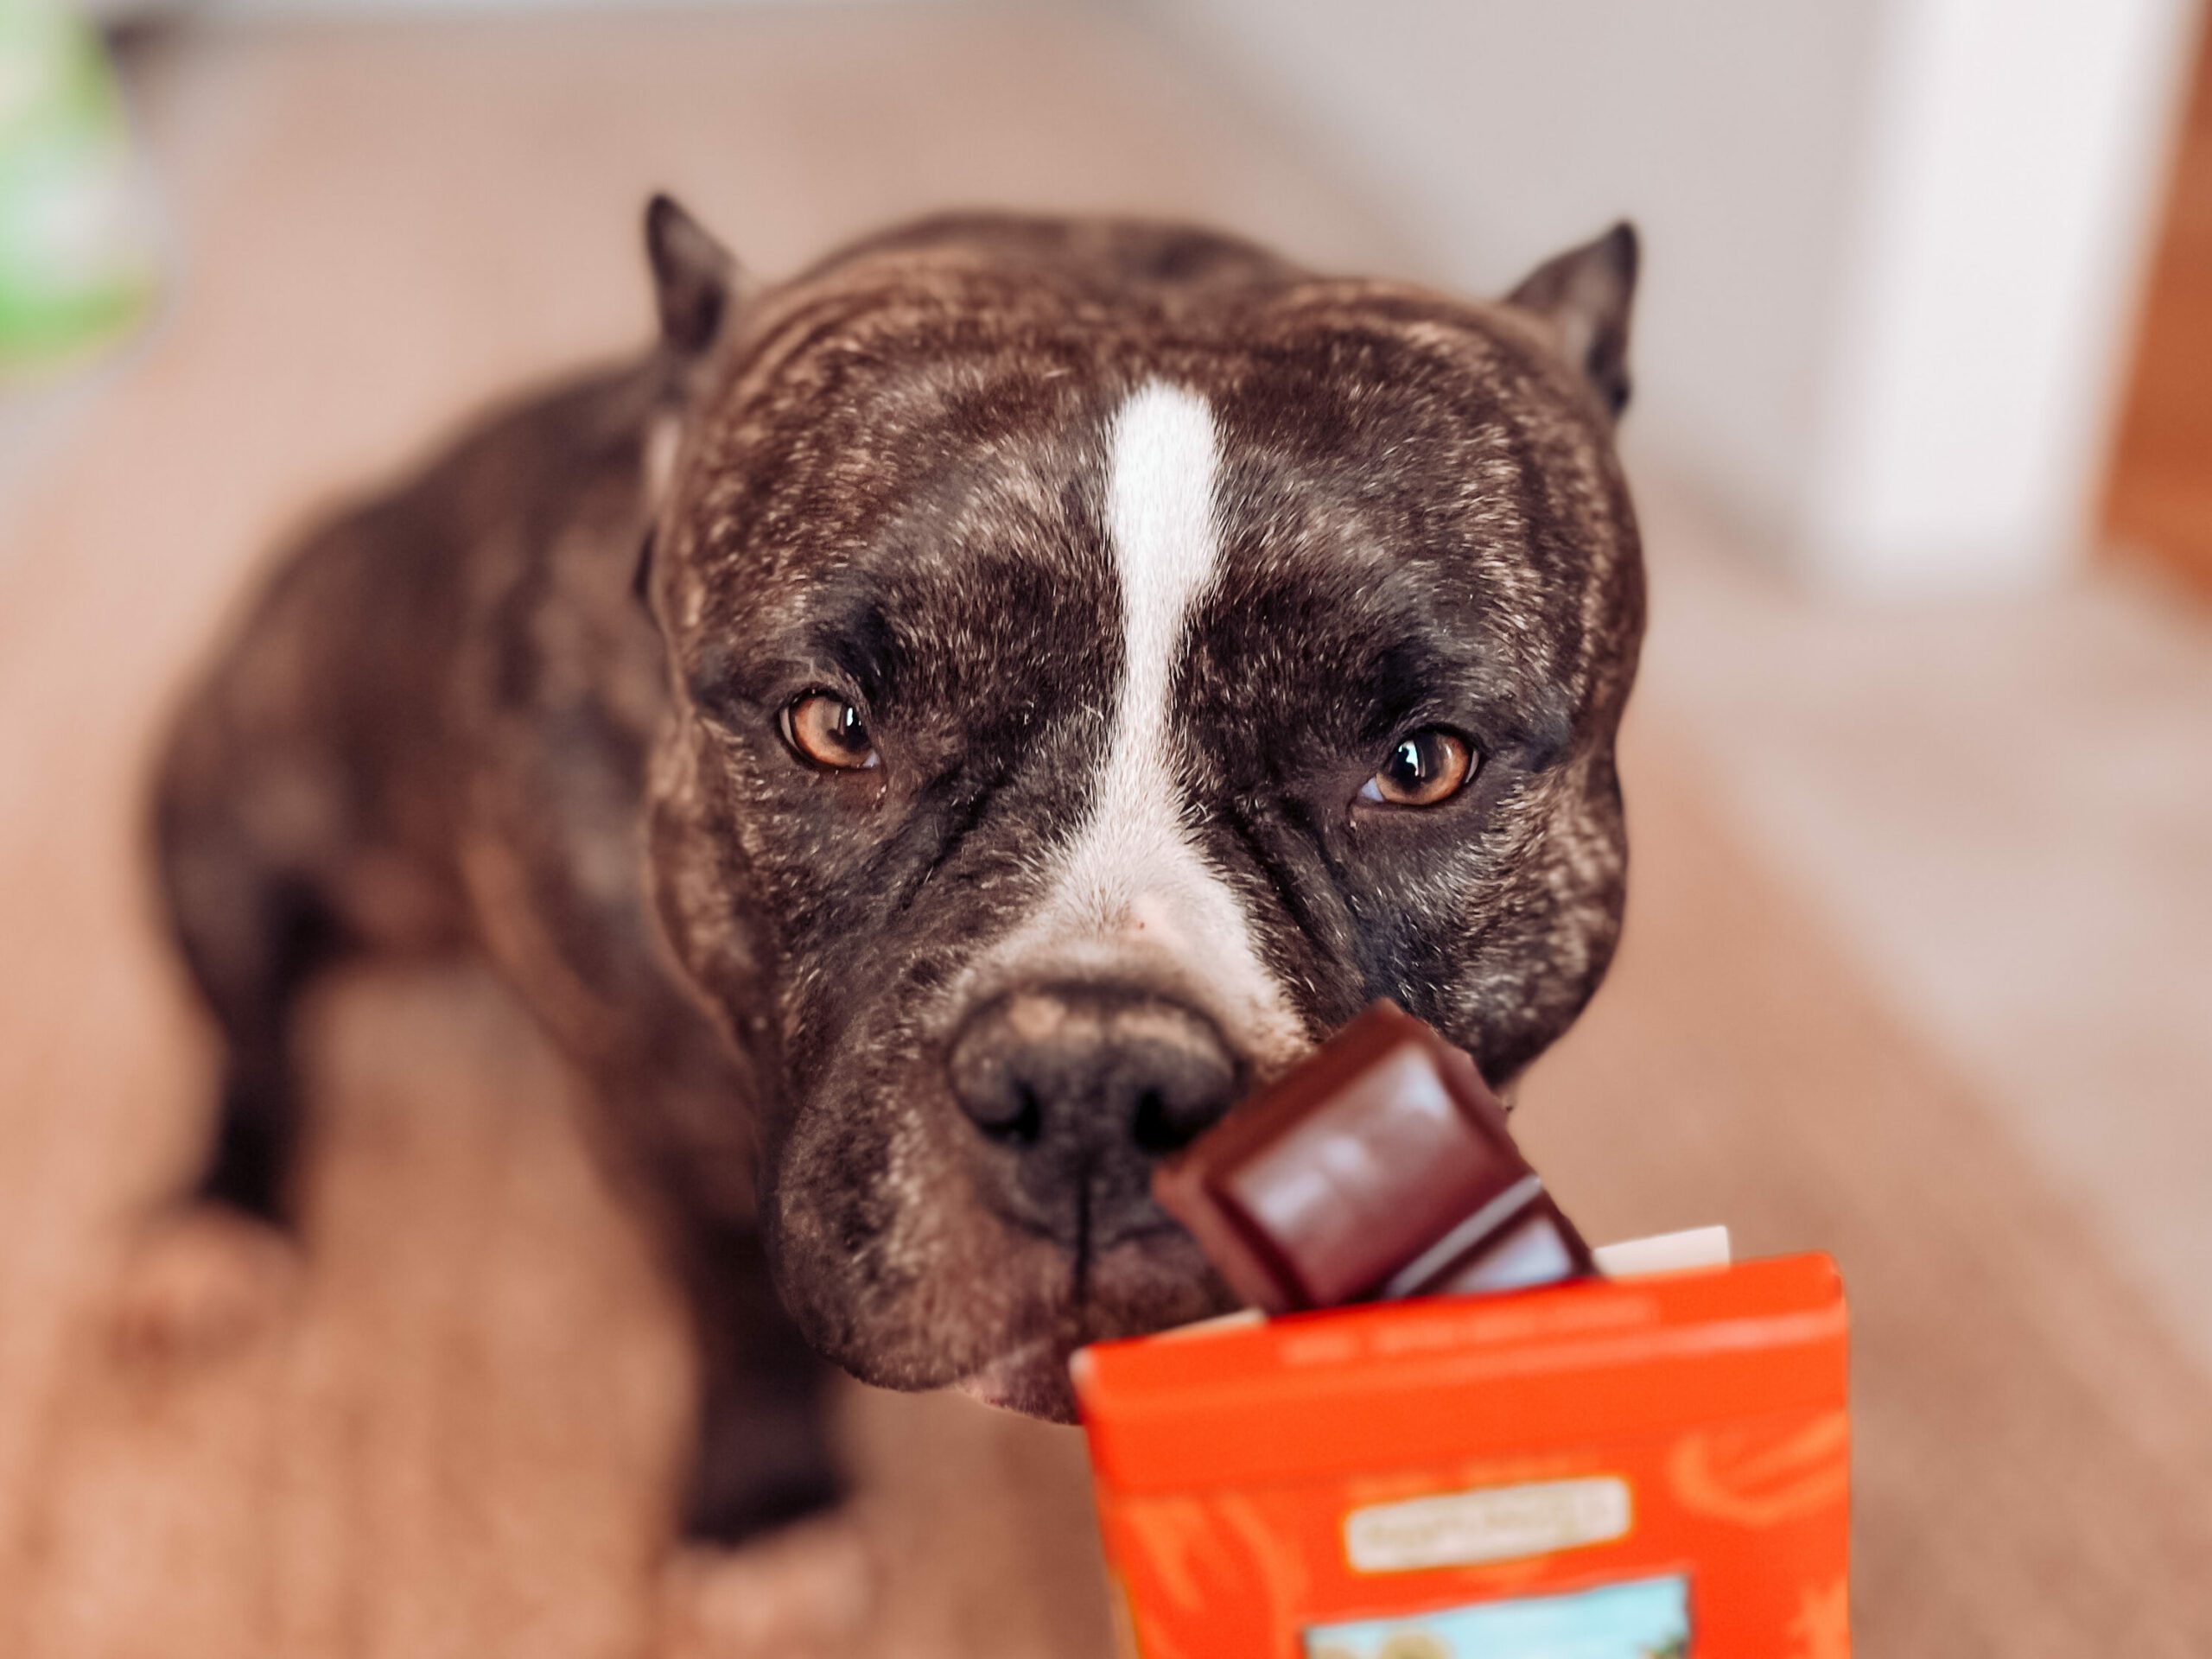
x,y
826,730
1427,768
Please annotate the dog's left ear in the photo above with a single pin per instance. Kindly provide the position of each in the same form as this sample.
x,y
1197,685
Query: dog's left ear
x,y
1584,295
694,278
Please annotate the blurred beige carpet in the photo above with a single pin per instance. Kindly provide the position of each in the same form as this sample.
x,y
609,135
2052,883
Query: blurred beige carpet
x,y
460,1444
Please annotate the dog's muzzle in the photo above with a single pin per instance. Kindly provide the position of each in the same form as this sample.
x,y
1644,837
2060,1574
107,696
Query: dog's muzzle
x,y
1074,1091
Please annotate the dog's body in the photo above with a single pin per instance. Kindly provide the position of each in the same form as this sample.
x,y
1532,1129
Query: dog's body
x,y
1071,667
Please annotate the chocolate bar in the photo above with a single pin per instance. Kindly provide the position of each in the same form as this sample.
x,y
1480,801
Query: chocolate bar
x,y
1379,1168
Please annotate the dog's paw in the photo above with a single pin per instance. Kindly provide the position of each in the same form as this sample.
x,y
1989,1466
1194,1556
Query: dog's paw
x,y
809,1590
198,1282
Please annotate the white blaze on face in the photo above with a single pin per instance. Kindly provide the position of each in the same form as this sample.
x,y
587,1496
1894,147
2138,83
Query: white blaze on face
x,y
1134,899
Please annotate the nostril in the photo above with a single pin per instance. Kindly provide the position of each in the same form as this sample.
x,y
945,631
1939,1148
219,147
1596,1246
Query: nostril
x,y
1028,1123
1155,1128
1003,1104
1174,1085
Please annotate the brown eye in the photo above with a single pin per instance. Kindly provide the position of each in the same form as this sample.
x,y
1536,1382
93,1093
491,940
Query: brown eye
x,y
828,731
1427,768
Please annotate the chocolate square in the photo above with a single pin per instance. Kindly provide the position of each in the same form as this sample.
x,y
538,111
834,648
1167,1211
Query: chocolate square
x,y
1382,1165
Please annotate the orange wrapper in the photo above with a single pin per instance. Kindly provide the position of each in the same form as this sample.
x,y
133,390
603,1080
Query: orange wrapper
x,y
1641,1469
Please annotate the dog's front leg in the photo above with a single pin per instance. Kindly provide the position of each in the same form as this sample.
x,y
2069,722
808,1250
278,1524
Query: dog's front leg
x,y
763,1457
805,1577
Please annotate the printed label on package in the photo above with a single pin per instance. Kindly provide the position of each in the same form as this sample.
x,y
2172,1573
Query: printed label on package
x,y
1647,1620
1494,1524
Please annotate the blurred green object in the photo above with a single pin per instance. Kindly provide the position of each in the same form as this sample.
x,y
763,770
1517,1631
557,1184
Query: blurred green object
x,y
76,267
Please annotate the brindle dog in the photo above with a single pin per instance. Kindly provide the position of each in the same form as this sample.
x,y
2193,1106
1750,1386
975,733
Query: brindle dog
x,y
925,740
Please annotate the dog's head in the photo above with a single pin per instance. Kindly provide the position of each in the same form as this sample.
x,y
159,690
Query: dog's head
x,y
1105,657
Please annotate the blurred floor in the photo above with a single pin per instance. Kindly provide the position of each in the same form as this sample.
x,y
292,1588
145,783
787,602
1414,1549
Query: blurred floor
x,y
1873,854
2004,808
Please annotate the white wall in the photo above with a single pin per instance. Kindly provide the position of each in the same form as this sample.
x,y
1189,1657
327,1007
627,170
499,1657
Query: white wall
x,y
1890,244
2015,150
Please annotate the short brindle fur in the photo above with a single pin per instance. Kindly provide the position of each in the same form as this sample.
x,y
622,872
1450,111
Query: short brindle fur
x,y
529,705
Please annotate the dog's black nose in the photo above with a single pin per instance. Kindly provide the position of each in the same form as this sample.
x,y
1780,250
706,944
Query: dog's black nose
x,y
1080,1087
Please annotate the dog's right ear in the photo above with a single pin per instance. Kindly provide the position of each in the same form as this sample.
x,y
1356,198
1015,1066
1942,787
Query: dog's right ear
x,y
694,278
1584,295
696,287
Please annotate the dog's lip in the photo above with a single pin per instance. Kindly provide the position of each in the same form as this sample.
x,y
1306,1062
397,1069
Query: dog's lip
x,y
1160,1225
1030,1375
1031,1378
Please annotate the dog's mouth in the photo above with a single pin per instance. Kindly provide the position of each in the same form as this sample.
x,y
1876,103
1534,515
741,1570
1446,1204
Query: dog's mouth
x,y
1031,1379
922,1243
1151,1282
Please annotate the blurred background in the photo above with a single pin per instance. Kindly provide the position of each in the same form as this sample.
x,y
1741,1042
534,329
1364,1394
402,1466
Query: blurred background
x,y
1919,959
